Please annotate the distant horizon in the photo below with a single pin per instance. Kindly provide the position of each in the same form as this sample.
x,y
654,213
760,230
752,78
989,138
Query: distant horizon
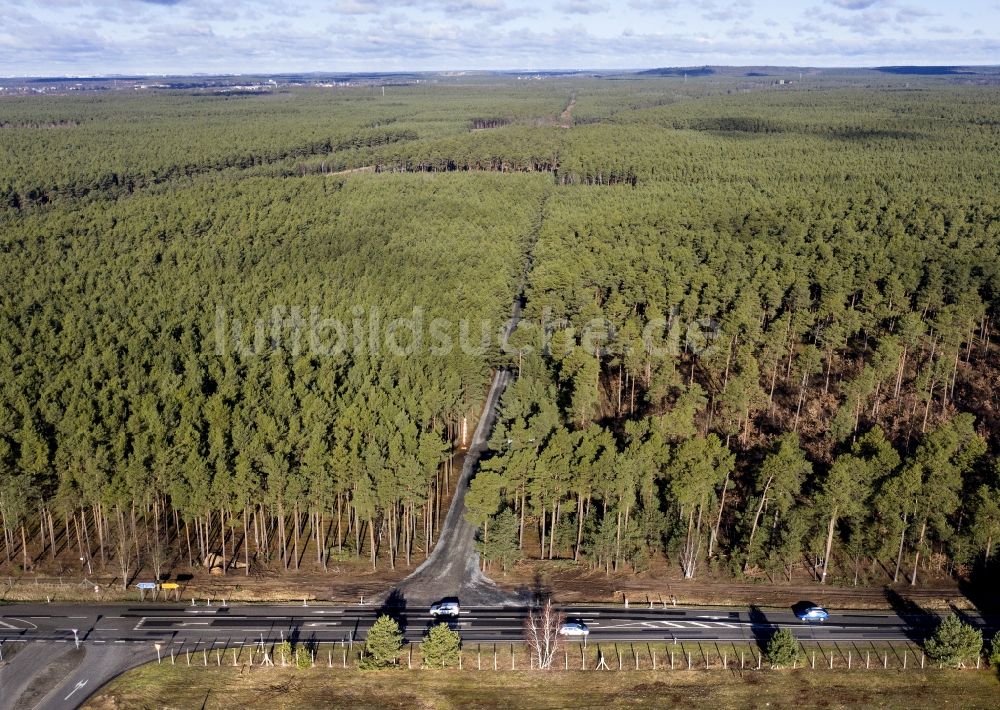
x,y
237,37
516,70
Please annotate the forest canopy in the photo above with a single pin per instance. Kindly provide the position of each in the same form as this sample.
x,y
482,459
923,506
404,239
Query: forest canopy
x,y
758,330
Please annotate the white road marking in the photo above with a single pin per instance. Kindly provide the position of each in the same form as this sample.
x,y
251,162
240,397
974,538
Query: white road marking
x,y
663,623
78,686
23,621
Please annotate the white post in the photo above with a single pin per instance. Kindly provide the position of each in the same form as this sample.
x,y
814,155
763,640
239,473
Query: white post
x,y
76,639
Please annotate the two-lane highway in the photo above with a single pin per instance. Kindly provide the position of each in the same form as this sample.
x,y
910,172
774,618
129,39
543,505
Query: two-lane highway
x,y
95,643
95,625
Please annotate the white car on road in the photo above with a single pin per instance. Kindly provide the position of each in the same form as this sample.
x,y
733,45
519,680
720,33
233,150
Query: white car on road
x,y
445,607
573,628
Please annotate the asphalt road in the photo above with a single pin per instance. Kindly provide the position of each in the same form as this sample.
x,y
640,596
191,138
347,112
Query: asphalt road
x,y
114,638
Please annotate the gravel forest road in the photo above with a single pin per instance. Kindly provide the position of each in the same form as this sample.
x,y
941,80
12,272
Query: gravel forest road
x,y
453,567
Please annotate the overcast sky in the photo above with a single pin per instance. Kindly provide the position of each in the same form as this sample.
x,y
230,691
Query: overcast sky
x,y
40,37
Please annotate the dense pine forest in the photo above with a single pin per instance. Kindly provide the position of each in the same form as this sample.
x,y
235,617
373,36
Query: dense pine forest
x,y
758,334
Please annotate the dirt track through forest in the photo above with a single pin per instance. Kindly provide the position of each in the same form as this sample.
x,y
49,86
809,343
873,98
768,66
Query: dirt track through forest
x,y
566,117
453,566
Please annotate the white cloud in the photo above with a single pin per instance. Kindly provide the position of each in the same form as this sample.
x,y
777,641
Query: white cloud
x,y
855,4
654,4
137,36
582,7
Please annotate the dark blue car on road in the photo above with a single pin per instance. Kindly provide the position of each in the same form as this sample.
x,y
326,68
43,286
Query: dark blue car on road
x,y
807,611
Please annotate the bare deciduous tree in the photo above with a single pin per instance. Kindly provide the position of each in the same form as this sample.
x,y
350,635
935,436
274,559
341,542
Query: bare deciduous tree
x,y
124,546
541,633
157,557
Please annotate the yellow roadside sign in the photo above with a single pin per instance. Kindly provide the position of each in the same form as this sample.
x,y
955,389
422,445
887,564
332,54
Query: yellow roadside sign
x,y
170,585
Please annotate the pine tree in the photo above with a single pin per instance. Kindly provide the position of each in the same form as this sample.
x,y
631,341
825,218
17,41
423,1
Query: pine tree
x,y
783,648
383,644
440,647
501,545
954,642
994,657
